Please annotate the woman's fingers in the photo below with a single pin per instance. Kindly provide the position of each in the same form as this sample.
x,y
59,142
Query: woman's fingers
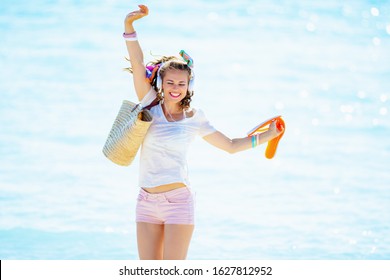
x,y
272,125
277,127
143,11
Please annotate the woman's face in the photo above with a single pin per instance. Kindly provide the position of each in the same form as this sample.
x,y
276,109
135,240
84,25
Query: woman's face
x,y
175,85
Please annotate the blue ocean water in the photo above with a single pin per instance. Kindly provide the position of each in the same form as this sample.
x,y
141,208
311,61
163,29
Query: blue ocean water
x,y
324,66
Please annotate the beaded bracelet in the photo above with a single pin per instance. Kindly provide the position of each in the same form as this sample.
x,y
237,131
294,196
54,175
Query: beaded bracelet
x,y
130,36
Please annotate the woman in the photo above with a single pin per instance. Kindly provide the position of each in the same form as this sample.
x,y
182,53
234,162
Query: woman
x,y
165,206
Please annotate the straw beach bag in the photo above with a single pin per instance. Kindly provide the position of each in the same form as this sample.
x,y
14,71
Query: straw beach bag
x,y
127,133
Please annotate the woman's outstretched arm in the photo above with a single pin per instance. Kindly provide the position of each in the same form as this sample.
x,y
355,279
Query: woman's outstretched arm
x,y
141,84
221,141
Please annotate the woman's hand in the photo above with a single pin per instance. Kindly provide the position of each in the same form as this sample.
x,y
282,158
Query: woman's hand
x,y
133,16
274,130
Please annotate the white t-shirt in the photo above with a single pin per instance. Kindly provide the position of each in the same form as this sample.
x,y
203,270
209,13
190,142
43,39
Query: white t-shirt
x,y
164,150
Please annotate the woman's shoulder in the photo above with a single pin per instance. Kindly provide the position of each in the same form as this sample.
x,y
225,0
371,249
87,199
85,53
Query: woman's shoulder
x,y
190,112
195,113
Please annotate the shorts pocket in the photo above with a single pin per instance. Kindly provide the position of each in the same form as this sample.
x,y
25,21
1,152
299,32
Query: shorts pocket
x,y
184,196
141,197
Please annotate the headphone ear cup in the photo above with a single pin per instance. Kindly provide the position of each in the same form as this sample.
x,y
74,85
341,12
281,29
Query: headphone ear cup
x,y
159,82
191,85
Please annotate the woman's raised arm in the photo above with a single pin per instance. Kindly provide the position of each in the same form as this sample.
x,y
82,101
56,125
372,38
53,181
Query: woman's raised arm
x,y
141,84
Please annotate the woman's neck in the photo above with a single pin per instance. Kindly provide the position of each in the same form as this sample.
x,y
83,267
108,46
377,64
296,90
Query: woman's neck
x,y
172,108
173,114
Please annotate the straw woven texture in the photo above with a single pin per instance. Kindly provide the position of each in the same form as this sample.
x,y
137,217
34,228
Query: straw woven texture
x,y
127,133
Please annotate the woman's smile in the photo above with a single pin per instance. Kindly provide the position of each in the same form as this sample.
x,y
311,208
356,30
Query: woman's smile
x,y
174,94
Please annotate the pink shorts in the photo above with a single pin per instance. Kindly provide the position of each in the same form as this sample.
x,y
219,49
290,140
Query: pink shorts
x,y
172,207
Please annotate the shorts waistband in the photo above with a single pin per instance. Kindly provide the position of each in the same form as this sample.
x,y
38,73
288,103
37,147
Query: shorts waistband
x,y
157,196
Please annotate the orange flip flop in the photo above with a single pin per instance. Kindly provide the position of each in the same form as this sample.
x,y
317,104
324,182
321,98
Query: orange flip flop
x,y
272,144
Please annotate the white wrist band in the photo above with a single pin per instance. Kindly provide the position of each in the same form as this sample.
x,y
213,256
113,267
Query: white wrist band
x,y
131,39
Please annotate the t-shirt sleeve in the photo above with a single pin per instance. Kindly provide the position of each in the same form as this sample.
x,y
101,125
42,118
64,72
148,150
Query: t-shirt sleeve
x,y
205,128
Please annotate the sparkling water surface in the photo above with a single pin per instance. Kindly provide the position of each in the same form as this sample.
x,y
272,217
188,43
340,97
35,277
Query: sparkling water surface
x,y
324,66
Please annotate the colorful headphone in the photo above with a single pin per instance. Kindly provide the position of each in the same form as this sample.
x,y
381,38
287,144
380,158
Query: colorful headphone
x,y
190,63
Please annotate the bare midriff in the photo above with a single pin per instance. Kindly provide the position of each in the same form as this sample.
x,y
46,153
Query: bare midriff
x,y
164,188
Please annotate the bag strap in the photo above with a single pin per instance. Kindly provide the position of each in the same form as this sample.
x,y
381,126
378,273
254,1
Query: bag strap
x,y
154,103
